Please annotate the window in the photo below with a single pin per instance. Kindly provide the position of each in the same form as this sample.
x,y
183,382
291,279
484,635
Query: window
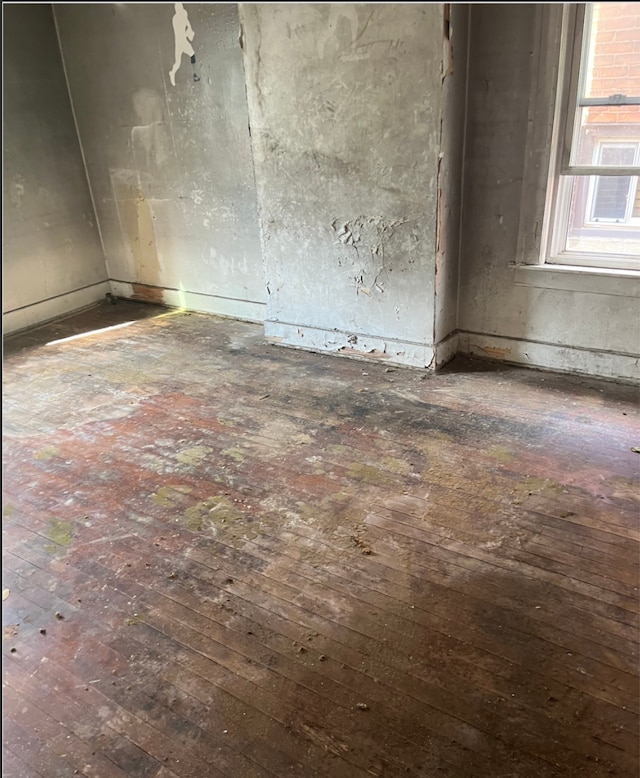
x,y
592,216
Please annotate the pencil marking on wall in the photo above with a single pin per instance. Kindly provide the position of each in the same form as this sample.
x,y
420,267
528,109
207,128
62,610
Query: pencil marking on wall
x,y
339,17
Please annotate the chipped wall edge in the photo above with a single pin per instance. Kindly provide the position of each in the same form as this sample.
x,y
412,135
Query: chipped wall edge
x,y
446,349
355,345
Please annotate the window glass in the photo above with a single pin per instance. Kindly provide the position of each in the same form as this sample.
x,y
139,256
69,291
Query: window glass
x,y
612,61
597,212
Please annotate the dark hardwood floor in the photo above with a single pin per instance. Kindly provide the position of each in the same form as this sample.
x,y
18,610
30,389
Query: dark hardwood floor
x,y
224,558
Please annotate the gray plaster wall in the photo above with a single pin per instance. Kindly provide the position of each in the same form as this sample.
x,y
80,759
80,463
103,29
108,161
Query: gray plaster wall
x,y
345,104
450,180
585,324
52,258
170,165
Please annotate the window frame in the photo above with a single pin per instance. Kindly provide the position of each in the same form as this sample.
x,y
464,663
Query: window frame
x,y
573,50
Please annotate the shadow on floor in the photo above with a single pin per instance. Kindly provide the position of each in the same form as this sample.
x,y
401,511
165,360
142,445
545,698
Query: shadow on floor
x,y
101,316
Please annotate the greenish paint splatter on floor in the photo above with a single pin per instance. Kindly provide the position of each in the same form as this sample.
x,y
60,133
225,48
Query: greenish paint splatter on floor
x,y
61,534
237,454
368,473
501,453
169,496
214,511
397,466
46,453
193,456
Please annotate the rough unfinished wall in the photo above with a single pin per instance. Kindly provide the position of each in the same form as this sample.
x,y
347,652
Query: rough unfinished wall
x,y
455,42
52,259
589,325
345,104
169,164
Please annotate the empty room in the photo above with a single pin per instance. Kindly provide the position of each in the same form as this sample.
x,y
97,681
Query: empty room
x,y
321,421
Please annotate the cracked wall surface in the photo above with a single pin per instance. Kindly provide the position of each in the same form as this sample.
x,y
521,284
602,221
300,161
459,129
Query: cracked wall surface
x,y
345,105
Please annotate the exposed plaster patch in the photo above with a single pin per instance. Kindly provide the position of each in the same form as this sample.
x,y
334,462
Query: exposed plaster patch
x,y
358,346
370,353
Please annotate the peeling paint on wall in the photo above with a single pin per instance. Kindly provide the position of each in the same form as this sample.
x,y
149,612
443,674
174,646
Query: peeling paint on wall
x,y
345,165
349,344
375,353
368,236
171,173
183,35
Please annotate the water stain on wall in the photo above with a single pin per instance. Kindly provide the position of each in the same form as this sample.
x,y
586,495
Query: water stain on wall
x,y
494,352
147,294
135,214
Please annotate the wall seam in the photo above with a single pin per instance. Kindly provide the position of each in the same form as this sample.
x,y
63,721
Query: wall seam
x,y
462,167
82,154
437,256
263,264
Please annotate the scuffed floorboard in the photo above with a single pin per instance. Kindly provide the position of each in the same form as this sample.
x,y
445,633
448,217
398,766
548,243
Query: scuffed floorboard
x,y
223,558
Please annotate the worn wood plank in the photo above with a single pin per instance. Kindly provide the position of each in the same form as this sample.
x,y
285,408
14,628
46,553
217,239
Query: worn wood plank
x,y
243,543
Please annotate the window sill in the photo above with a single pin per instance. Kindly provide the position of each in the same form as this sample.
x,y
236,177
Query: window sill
x,y
572,278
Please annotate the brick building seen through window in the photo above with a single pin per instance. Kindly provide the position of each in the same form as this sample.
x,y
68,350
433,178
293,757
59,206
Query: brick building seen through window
x,y
604,213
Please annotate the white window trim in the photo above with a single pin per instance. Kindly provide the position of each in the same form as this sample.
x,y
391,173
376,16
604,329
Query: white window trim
x,y
538,248
576,278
